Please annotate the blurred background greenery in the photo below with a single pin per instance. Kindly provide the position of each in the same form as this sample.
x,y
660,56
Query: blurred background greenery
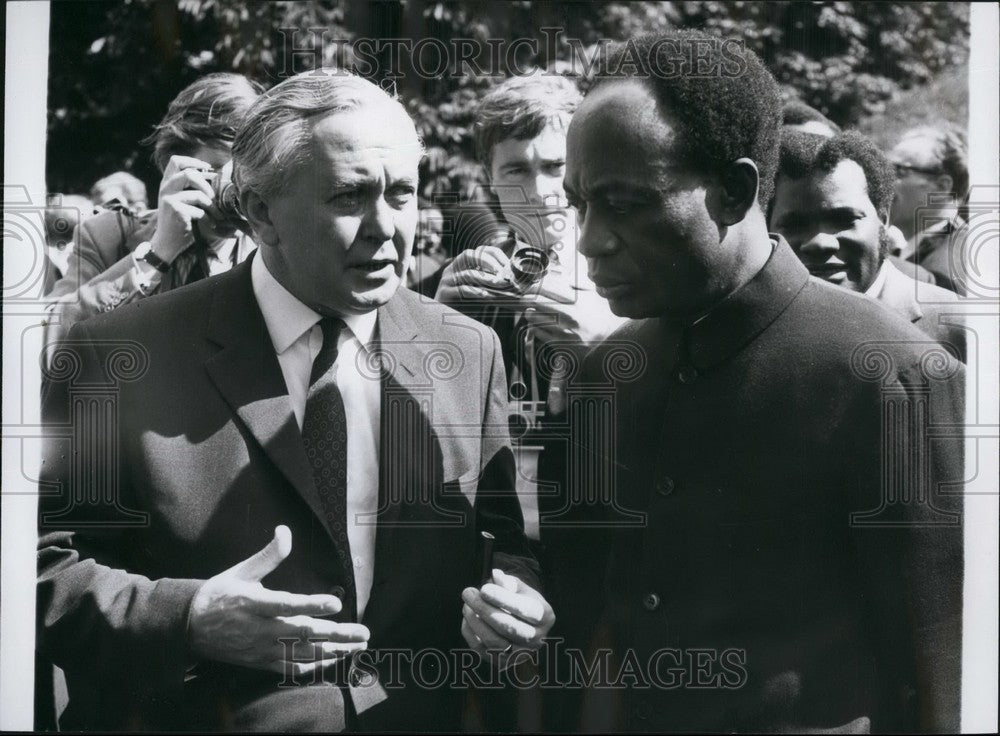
x,y
115,65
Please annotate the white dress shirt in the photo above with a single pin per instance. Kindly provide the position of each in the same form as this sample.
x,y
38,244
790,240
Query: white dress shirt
x,y
297,339
879,283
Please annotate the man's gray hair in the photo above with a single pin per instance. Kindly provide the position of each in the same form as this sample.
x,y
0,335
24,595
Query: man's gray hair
x,y
272,139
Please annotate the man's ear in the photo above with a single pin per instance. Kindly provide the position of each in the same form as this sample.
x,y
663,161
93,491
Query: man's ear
x,y
739,190
256,211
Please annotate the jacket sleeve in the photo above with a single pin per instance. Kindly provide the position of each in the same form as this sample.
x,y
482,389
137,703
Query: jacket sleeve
x,y
120,635
907,526
99,276
498,509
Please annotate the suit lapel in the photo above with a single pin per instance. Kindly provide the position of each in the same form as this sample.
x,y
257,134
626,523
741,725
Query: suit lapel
x,y
247,374
401,454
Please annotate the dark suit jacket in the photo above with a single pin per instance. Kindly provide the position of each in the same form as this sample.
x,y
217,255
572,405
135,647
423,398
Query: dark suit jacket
x,y
931,309
96,279
940,249
787,552
206,459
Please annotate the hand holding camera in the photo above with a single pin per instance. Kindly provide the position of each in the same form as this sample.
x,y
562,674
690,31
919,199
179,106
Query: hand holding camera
x,y
193,192
185,197
488,272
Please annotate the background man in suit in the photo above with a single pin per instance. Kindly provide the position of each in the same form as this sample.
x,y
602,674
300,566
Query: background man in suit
x,y
758,574
933,183
835,217
302,395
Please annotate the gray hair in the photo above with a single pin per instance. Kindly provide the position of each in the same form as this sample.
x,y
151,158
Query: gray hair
x,y
273,137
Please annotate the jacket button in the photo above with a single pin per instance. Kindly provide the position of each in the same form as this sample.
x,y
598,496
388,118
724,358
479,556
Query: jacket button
x,y
642,710
687,373
651,602
339,592
665,485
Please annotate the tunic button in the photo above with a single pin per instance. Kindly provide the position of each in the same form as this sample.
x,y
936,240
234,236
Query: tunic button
x,y
687,373
339,592
651,602
665,485
642,710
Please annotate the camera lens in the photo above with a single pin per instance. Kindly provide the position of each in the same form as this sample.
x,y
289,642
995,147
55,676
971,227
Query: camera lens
x,y
528,265
227,201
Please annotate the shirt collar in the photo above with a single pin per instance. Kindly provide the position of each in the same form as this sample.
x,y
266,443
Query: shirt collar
x,y
878,284
740,317
287,318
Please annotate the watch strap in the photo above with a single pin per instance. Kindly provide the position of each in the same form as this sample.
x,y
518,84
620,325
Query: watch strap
x,y
146,254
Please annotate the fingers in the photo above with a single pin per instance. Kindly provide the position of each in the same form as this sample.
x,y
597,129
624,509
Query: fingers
x,y
186,179
265,602
486,636
260,564
189,205
453,293
307,627
499,625
486,258
470,637
179,163
522,606
509,582
298,669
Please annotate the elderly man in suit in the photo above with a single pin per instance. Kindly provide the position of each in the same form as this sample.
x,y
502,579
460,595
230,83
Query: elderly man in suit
x,y
302,396
930,205
762,569
835,216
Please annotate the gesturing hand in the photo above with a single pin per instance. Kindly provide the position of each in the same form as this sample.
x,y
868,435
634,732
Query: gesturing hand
x,y
235,619
505,616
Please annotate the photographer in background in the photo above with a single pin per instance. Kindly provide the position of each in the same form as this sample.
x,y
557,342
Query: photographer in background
x,y
520,133
121,256
123,187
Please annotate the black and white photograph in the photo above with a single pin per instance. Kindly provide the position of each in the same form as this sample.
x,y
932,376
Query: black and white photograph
x,y
453,366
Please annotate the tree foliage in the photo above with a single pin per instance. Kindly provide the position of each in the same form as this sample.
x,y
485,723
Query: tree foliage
x,y
114,66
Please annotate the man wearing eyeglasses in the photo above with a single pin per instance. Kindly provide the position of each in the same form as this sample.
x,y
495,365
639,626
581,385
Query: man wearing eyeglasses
x,y
932,181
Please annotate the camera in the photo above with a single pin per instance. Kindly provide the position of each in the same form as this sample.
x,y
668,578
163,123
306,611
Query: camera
x,y
226,199
528,265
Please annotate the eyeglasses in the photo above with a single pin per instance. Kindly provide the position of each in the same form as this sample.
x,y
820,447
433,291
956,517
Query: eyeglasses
x,y
903,169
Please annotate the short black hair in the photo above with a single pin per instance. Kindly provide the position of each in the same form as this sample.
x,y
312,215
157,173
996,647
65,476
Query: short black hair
x,y
880,175
796,112
725,104
798,151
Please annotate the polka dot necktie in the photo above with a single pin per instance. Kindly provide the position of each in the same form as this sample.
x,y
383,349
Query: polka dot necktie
x,y
324,434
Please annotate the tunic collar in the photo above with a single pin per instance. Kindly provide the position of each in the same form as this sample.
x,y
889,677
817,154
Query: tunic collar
x,y
739,318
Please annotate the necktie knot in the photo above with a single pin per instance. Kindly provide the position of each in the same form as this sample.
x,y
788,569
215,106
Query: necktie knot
x,y
331,328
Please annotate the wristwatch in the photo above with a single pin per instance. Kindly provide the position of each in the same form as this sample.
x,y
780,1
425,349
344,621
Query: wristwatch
x,y
144,252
